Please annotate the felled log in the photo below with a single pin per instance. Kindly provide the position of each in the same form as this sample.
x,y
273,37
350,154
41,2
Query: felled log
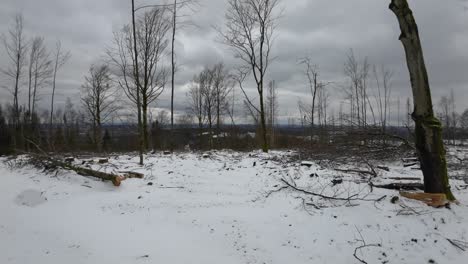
x,y
116,179
49,161
431,199
400,186
132,174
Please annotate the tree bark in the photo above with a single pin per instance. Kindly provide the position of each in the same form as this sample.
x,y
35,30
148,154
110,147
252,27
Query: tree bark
x,y
428,128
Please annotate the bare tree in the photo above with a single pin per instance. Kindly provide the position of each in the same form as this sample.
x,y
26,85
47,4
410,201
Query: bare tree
x,y
208,92
444,114
312,78
428,129
16,48
454,117
99,99
323,99
136,76
177,6
464,121
40,71
136,60
249,31
152,43
60,58
222,83
383,80
357,92
448,116
196,103
272,110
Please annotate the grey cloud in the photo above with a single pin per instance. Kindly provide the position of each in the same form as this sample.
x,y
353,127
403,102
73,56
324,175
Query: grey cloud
x,y
323,30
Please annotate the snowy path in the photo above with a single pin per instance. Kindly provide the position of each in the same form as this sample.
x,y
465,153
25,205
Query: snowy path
x,y
205,211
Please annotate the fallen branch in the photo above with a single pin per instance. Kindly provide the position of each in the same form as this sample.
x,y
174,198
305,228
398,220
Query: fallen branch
x,y
350,198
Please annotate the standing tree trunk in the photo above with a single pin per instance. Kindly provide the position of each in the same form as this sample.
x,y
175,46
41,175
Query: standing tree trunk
x,y
174,24
137,80
428,128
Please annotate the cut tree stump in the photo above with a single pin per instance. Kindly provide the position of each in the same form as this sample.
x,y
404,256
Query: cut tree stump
x,y
431,199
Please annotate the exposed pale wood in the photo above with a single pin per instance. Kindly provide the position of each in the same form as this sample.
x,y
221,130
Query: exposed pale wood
x,y
431,199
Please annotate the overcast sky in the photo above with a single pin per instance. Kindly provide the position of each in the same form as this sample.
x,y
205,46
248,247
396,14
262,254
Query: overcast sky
x,y
325,30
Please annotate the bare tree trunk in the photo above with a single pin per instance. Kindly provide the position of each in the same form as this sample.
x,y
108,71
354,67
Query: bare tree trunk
x,y
137,78
174,24
263,122
144,107
428,128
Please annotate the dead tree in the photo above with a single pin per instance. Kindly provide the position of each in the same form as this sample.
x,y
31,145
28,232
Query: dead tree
x,y
249,31
16,47
98,97
428,129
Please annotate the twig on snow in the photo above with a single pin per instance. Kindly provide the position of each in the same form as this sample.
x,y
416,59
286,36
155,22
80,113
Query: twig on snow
x,y
462,245
364,245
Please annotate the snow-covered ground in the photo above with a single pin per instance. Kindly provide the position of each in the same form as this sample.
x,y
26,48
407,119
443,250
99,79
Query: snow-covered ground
x,y
221,209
